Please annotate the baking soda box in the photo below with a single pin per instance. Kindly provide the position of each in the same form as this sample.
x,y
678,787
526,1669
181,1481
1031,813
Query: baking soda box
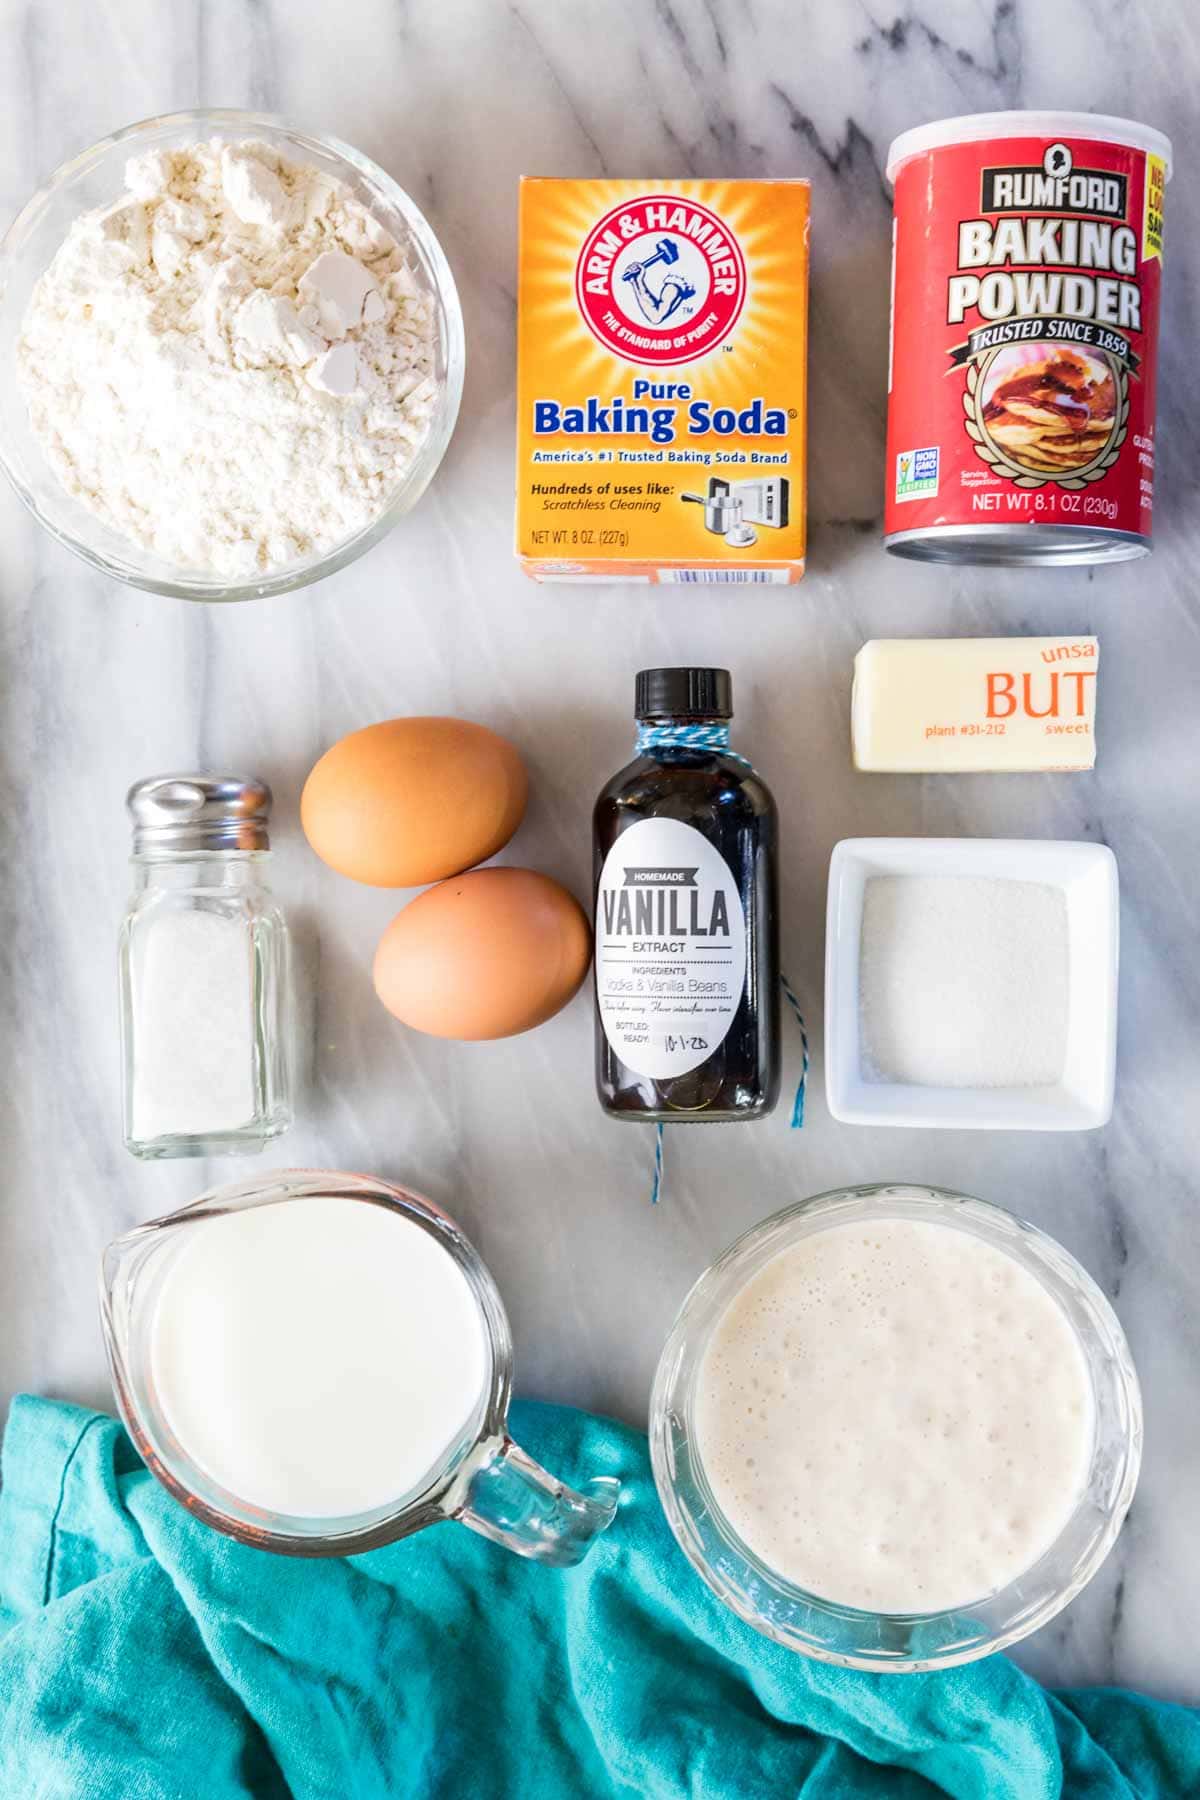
x,y
662,337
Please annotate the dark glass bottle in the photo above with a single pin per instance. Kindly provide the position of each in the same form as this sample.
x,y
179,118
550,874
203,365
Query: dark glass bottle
x,y
687,954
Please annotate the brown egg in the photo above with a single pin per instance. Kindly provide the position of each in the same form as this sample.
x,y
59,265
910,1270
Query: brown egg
x,y
413,800
489,954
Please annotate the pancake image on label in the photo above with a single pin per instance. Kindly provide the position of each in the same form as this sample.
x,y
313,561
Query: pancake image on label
x,y
1051,413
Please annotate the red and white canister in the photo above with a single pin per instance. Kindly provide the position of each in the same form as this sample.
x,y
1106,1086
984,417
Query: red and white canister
x,y
1027,256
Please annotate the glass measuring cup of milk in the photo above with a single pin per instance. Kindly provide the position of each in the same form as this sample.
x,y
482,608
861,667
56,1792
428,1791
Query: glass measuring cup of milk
x,y
896,1428
319,1364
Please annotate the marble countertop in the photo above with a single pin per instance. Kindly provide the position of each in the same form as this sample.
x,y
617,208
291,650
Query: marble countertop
x,y
102,685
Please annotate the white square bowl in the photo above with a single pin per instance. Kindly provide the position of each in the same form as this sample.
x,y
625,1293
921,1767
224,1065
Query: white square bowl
x,y
1087,876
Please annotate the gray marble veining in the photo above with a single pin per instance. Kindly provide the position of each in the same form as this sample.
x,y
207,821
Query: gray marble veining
x,y
101,685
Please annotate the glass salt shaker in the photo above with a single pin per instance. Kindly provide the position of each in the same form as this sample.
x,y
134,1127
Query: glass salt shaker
x,y
204,967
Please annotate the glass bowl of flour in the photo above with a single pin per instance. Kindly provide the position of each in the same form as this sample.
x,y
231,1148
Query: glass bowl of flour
x,y
895,1428
234,355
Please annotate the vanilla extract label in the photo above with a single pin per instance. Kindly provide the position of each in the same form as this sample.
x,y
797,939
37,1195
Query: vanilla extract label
x,y
670,948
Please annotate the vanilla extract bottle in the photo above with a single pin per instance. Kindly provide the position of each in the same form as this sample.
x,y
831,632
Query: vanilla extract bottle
x,y
687,958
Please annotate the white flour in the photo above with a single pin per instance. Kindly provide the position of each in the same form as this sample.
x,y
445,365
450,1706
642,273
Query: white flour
x,y
232,364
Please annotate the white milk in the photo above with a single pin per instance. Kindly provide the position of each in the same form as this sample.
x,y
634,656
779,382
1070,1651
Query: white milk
x,y
316,1357
895,1416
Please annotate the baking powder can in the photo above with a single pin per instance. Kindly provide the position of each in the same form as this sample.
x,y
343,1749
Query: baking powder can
x,y
1027,258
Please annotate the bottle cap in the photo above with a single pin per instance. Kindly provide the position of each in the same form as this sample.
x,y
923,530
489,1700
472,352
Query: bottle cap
x,y
199,812
683,694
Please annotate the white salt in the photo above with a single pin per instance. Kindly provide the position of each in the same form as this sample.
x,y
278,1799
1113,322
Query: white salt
x,y
963,981
193,1024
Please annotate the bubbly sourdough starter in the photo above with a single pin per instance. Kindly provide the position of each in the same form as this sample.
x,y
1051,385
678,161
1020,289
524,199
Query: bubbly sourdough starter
x,y
316,1357
895,1416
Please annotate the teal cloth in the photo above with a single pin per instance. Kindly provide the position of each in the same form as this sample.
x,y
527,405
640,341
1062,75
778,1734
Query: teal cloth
x,y
143,1657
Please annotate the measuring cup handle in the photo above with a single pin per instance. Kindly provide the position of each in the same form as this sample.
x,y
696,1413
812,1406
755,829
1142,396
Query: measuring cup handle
x,y
515,1502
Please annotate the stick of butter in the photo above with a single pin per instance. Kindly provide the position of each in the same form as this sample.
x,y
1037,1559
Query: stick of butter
x,y
956,704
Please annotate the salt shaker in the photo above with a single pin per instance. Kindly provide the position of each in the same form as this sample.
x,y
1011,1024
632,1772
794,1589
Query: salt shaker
x,y
204,967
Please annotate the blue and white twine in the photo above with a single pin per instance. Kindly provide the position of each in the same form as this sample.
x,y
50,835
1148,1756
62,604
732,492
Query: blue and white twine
x,y
797,1104
709,736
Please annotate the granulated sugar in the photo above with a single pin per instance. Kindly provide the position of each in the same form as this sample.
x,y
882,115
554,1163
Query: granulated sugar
x,y
963,981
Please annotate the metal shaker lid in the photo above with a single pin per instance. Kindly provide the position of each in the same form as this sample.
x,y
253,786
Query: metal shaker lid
x,y
199,812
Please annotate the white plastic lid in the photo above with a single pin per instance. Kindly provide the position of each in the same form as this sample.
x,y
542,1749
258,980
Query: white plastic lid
x,y
975,126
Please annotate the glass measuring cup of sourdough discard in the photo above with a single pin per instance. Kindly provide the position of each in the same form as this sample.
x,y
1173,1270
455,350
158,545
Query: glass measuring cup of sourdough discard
x,y
318,1364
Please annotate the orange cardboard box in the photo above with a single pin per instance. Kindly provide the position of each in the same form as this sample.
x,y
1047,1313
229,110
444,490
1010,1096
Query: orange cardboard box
x,y
662,344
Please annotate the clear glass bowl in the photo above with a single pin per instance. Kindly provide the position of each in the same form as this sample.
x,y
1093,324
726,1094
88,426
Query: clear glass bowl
x,y
95,179
892,1641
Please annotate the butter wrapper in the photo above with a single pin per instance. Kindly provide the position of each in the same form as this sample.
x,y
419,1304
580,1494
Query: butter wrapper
x,y
1008,705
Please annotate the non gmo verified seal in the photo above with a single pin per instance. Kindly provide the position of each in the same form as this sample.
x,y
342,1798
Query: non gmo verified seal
x,y
917,473
660,280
